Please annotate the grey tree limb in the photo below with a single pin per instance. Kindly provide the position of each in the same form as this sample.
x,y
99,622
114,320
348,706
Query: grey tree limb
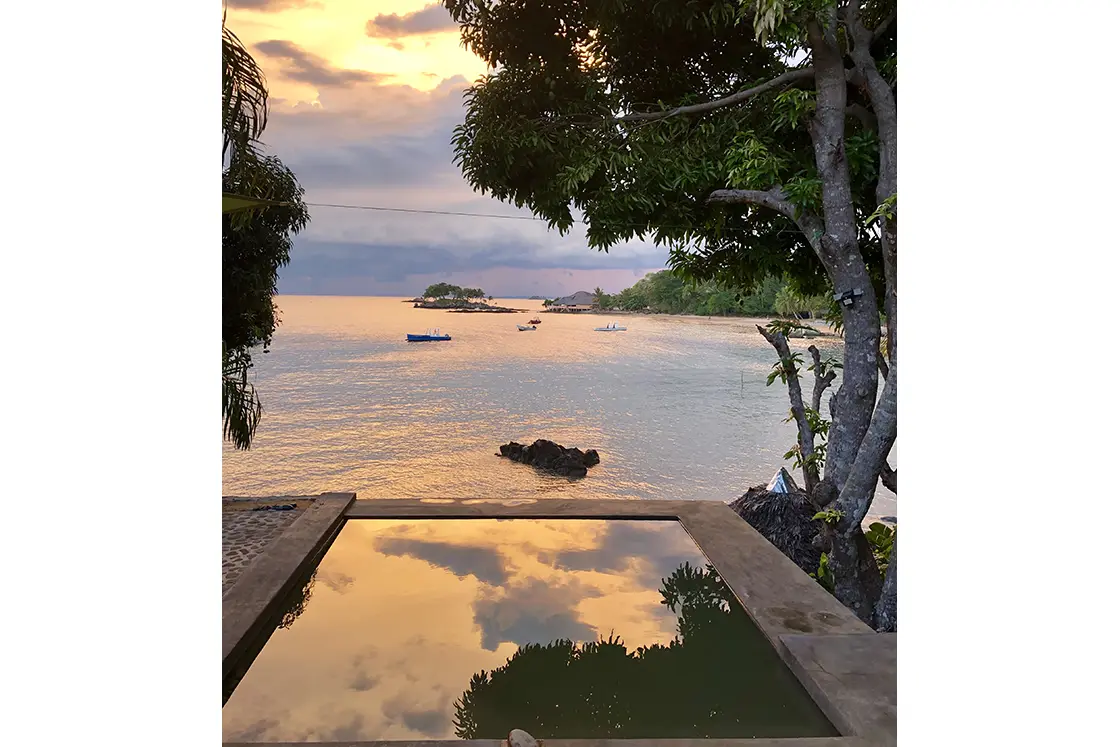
x,y
805,435
820,383
790,76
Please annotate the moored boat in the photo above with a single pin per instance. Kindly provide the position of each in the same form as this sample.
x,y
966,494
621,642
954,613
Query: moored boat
x,y
432,335
612,327
534,321
523,328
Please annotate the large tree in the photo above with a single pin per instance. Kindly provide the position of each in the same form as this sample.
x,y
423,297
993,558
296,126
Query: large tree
x,y
754,137
256,239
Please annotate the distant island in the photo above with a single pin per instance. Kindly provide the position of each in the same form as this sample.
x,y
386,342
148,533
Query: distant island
x,y
663,292
446,297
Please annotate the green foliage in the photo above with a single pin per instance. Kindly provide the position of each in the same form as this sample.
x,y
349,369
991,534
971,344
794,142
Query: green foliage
x,y
539,129
785,369
789,302
829,516
241,407
823,574
244,95
785,328
885,210
255,242
446,290
666,292
881,538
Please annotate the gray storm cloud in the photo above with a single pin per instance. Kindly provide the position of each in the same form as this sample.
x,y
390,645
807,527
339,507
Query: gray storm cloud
x,y
430,19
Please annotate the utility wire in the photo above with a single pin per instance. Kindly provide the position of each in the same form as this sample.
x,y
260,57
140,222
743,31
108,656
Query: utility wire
x,y
487,215
425,212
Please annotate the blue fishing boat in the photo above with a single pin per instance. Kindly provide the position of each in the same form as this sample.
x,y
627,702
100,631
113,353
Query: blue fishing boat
x,y
432,335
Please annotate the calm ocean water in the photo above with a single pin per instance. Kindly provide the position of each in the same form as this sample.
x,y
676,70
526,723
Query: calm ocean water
x,y
678,408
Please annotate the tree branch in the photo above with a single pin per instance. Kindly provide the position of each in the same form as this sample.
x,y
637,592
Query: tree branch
x,y
889,478
775,198
866,118
804,432
789,76
883,27
820,383
859,489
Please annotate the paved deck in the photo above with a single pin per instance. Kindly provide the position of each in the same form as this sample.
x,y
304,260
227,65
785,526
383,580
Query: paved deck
x,y
246,533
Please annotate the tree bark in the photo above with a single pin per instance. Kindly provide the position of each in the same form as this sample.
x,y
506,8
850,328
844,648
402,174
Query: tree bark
x,y
854,402
853,584
805,436
775,199
790,76
886,118
820,383
886,609
889,477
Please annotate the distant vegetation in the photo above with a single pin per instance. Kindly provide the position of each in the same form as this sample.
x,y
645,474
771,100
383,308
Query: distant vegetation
x,y
665,293
445,291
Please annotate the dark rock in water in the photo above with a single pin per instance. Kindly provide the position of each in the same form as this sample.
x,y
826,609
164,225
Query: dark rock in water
x,y
551,456
786,520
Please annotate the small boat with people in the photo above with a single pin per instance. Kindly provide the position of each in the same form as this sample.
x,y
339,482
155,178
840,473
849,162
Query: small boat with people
x,y
525,328
612,327
534,321
432,335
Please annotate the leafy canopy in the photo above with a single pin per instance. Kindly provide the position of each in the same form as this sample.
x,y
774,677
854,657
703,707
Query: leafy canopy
x,y
543,130
255,242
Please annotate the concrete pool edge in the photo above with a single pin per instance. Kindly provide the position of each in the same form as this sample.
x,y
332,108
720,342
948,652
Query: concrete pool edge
x,y
846,668
251,604
785,742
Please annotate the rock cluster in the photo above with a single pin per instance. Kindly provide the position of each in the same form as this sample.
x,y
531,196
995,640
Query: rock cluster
x,y
552,457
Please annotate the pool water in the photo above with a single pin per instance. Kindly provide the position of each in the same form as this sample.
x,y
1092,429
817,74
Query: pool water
x,y
579,629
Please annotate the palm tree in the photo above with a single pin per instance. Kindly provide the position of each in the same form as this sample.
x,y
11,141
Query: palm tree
x,y
262,208
244,95
599,294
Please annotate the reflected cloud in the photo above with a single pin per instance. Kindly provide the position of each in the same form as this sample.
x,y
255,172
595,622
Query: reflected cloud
x,y
339,583
484,563
424,605
534,611
350,731
433,722
644,547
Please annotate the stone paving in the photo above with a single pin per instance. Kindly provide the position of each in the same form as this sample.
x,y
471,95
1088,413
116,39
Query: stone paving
x,y
246,533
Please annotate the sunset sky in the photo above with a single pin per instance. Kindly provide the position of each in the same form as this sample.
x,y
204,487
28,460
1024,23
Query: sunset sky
x,y
364,95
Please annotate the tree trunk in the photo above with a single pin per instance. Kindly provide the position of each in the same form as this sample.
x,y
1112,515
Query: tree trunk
x,y
805,436
854,402
853,586
886,121
886,609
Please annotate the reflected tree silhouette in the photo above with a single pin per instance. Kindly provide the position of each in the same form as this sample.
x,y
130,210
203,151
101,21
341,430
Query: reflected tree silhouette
x,y
298,602
718,678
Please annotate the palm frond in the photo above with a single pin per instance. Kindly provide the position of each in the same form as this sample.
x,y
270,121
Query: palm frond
x,y
244,95
241,408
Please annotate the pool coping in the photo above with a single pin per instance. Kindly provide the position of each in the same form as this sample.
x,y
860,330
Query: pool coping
x,y
847,669
252,602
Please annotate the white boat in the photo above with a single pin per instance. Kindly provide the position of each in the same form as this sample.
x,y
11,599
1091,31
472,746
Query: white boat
x,y
523,328
612,327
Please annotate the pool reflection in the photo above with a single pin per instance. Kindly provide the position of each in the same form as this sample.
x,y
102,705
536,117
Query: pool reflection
x,y
567,628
